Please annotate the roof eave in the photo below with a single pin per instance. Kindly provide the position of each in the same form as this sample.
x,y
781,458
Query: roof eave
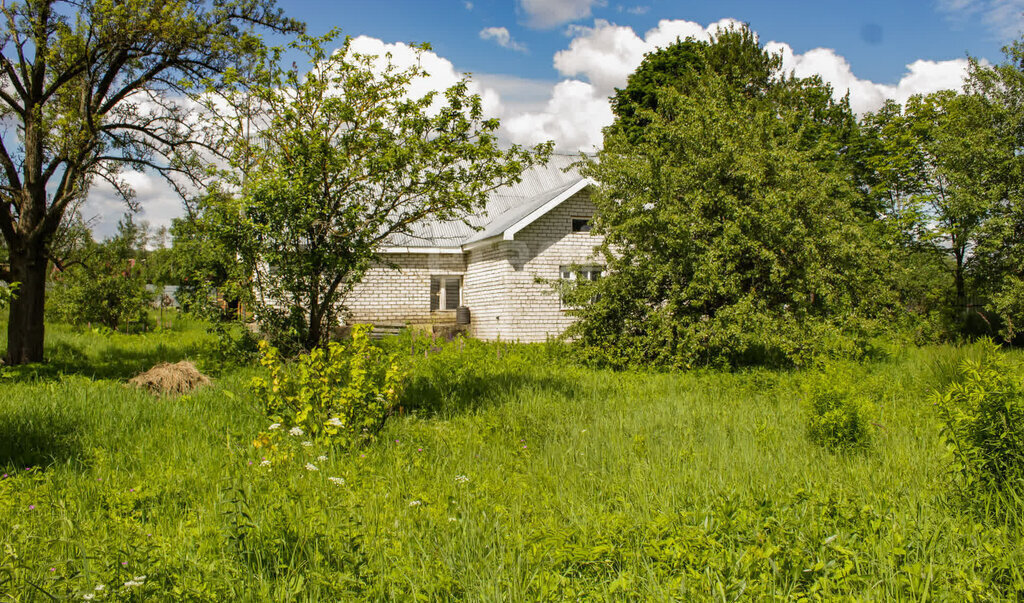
x,y
510,232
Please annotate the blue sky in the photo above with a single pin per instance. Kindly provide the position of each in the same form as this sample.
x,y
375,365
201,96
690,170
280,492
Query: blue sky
x,y
546,67
879,38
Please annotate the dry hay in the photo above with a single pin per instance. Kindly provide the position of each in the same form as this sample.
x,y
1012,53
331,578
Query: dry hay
x,y
167,378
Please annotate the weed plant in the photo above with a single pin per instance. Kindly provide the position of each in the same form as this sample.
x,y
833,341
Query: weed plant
x,y
511,474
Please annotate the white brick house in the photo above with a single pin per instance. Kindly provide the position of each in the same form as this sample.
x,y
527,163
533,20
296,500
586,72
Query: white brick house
x,y
504,270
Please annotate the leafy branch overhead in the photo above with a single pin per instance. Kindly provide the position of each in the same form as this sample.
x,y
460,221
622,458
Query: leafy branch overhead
x,y
331,162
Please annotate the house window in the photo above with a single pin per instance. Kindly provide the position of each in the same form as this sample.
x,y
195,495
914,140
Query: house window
x,y
581,225
581,273
445,292
578,273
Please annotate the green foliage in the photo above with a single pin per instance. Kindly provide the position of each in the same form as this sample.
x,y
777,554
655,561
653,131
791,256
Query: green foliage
x,y
838,417
108,286
732,232
8,291
983,426
141,57
340,394
521,477
346,159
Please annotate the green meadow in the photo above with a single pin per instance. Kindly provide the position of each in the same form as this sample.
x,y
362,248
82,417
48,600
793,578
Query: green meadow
x,y
510,473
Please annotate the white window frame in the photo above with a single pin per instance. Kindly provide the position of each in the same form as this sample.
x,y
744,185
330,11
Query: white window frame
x,y
589,272
443,293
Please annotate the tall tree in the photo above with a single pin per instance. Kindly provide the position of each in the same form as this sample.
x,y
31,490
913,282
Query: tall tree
x,y
332,162
732,230
93,86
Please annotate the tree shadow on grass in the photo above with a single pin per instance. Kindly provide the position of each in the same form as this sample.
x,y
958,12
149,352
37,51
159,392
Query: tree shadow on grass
x,y
447,394
37,439
115,363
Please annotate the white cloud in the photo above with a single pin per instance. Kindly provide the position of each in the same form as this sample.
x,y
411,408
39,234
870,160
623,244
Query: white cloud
x,y
573,118
921,77
606,53
502,37
545,14
1004,17
441,72
104,207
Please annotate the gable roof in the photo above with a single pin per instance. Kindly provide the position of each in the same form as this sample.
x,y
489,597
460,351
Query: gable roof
x,y
508,210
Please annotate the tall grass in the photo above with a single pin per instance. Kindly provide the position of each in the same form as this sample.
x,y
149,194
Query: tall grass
x,y
511,474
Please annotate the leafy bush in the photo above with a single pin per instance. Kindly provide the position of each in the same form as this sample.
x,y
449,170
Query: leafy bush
x,y
983,425
342,394
7,293
837,415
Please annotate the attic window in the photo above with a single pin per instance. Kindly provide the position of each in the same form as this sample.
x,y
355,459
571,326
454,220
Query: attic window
x,y
445,292
581,225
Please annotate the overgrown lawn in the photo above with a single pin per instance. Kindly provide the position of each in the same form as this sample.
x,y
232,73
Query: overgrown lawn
x,y
511,474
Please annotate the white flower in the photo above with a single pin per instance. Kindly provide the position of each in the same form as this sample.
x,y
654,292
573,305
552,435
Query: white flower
x,y
461,479
264,463
322,458
141,578
337,480
88,596
336,422
296,431
415,503
274,426
307,444
311,467
99,587
132,583
450,519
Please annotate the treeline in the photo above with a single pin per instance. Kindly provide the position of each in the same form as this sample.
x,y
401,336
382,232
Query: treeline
x,y
751,218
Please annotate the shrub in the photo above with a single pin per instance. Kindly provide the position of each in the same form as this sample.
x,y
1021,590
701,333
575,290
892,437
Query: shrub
x,y
341,394
7,293
837,415
983,425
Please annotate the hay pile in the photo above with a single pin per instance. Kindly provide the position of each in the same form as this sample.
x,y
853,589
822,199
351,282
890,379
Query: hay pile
x,y
167,378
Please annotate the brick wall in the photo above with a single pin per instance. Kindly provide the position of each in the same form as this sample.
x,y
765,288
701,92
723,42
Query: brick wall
x,y
389,296
507,285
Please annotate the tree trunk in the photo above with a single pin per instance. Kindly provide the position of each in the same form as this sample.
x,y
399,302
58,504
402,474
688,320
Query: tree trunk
x,y
25,326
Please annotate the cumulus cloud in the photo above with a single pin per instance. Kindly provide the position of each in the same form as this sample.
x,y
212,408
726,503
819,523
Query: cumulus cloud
x,y
921,77
1004,17
606,54
545,14
441,72
502,37
573,118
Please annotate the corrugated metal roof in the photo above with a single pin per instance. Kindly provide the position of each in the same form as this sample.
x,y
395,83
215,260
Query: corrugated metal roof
x,y
505,206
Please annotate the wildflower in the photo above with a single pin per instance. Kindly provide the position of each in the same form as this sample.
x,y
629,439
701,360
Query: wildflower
x,y
335,422
31,507
307,444
451,519
322,458
88,596
141,578
461,479
419,450
264,463
311,467
340,481
99,587
124,563
415,503
274,426
296,431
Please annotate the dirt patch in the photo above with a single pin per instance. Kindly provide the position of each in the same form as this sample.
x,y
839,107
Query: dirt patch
x,y
166,378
